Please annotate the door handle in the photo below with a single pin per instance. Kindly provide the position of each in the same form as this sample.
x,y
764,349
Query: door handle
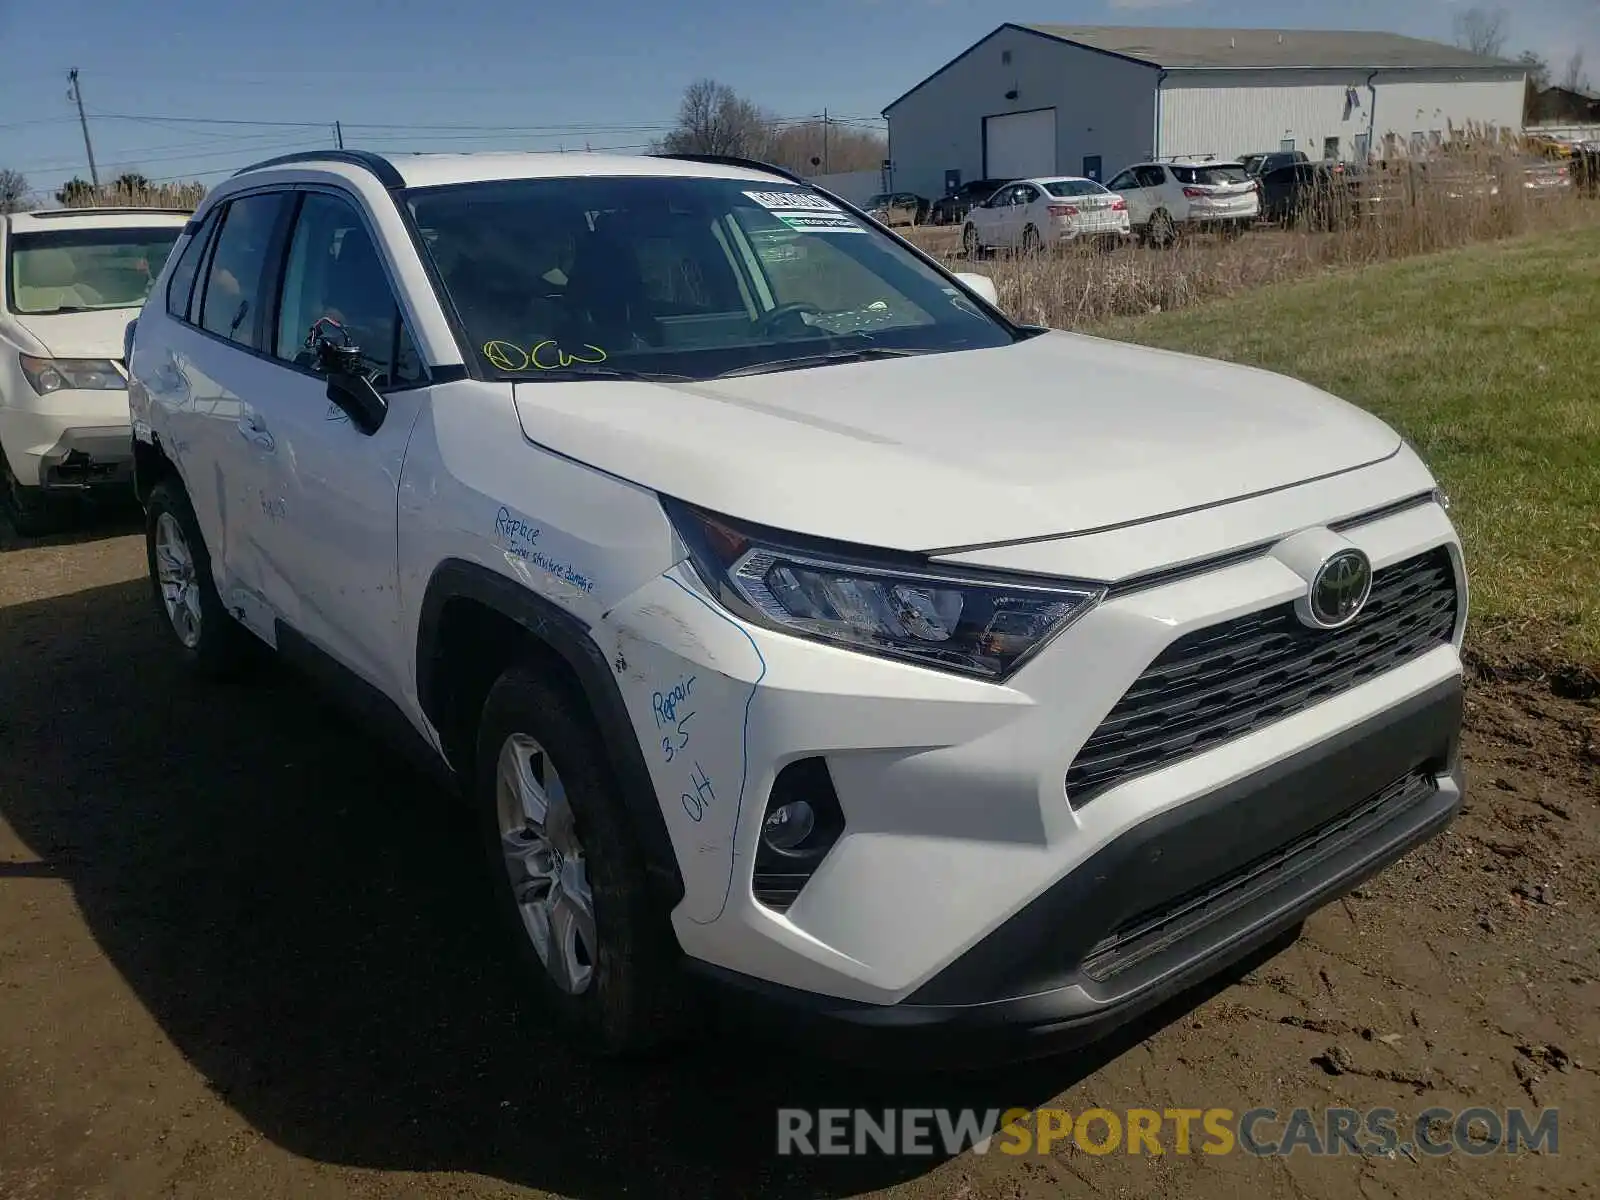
x,y
253,431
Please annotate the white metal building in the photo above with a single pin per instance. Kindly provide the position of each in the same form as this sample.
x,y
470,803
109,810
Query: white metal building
x,y
1057,99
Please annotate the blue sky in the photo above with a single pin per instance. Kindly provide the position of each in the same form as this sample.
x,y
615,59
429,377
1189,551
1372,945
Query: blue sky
x,y
159,76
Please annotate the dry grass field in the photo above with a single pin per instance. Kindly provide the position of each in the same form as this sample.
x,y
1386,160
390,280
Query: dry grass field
x,y
1479,201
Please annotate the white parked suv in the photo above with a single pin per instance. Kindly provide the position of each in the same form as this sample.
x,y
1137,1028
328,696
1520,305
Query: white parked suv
x,y
795,623
72,279
1166,198
1032,214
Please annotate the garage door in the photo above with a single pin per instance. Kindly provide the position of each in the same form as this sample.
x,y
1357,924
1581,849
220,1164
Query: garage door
x,y
1020,145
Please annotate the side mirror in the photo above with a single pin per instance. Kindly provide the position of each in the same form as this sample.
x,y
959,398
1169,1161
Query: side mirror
x,y
349,387
981,284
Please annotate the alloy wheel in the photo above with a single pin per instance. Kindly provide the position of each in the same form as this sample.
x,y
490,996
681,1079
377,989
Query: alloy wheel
x,y
180,587
545,863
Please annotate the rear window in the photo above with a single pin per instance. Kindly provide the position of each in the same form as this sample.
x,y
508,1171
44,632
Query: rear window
x,y
1212,176
1074,187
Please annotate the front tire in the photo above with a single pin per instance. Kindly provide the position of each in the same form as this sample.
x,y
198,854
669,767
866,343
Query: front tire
x,y
970,244
209,641
568,876
1032,243
30,510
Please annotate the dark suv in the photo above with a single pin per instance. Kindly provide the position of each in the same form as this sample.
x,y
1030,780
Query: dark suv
x,y
953,208
1263,161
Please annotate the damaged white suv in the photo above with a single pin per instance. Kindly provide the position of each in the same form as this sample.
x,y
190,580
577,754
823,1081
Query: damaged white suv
x,y
797,624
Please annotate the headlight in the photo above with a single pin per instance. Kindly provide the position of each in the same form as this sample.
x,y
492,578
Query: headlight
x,y
48,375
898,607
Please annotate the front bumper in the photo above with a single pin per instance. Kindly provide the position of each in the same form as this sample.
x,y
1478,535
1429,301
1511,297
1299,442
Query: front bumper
x,y
62,447
1174,900
956,810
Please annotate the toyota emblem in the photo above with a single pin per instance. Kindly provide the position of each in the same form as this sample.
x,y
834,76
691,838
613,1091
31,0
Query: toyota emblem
x,y
1340,589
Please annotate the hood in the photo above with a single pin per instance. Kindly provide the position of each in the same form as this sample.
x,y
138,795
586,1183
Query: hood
x,y
1055,435
95,334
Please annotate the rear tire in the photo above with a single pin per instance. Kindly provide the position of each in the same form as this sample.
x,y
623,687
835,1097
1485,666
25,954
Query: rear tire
x,y
209,642
1032,243
568,875
970,244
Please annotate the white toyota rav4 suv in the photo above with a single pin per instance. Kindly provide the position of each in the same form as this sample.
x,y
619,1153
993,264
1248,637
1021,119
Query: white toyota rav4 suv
x,y
794,621
71,279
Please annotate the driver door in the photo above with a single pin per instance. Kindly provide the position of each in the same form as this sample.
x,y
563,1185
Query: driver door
x,y
325,528
1014,216
1127,186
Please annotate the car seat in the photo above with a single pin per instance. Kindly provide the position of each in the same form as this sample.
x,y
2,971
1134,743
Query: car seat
x,y
47,279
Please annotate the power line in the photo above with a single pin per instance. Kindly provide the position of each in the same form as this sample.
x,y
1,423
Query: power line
x,y
139,156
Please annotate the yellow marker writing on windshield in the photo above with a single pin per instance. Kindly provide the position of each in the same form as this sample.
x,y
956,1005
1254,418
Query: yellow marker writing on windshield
x,y
508,356
563,359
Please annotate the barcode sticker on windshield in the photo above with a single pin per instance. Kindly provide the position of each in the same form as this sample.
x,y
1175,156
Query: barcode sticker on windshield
x,y
791,200
819,222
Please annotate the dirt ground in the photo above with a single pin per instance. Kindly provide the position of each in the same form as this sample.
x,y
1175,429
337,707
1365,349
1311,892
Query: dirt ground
x,y
243,952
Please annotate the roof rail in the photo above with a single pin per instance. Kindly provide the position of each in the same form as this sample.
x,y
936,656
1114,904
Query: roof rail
x,y
376,163
113,209
733,160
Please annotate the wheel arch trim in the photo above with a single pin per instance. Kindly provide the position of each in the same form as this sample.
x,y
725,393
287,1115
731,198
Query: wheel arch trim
x,y
568,636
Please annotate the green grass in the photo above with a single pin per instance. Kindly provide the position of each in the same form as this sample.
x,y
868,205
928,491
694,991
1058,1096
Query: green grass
x,y
1488,361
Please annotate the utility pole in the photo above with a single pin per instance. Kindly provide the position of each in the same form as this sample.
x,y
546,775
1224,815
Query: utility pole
x,y
825,141
338,135
76,96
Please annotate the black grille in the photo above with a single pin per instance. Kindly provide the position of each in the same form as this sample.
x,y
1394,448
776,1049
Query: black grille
x,y
1228,680
1151,932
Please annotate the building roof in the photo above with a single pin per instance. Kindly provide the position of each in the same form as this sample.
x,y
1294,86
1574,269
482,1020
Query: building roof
x,y
1266,48
1248,49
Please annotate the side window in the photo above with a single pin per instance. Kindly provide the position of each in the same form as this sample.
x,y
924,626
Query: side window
x,y
1123,182
180,287
233,284
1151,177
335,280
1027,194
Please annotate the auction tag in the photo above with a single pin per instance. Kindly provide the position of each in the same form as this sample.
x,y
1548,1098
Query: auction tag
x,y
793,200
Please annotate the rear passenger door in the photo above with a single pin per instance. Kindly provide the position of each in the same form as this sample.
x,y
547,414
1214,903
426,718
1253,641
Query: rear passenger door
x,y
209,360
325,529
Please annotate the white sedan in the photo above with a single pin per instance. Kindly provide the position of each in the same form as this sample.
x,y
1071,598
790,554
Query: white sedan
x,y
1031,214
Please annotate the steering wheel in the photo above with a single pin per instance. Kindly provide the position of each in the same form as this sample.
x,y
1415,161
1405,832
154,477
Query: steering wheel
x,y
794,308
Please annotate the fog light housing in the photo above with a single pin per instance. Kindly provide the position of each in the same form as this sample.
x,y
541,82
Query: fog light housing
x,y
788,826
802,822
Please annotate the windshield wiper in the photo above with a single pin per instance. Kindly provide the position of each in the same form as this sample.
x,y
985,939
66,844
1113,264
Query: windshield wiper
x,y
594,371
859,354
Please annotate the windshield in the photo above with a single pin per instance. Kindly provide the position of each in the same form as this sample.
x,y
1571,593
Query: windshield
x,y
1213,176
1074,187
694,278
75,270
